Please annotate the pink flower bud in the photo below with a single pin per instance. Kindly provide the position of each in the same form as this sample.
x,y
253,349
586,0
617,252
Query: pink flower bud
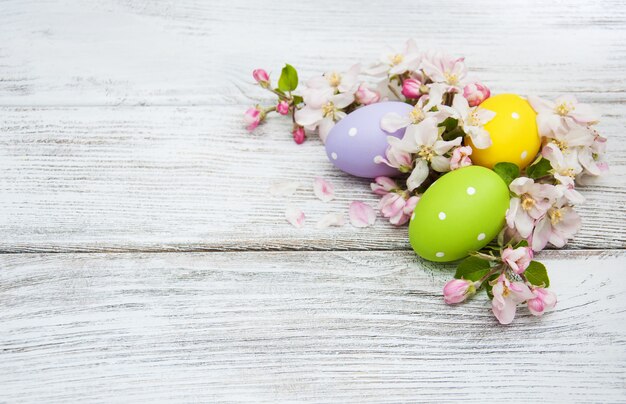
x,y
476,93
517,259
410,205
282,108
253,117
460,157
544,300
458,290
366,96
261,77
298,135
383,185
411,88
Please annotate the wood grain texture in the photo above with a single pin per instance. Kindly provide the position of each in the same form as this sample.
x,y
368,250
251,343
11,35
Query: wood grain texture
x,y
191,178
299,326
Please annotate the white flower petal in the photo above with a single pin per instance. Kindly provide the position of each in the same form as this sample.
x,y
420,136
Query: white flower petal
x,y
331,219
309,116
361,214
295,216
393,122
419,174
324,190
284,188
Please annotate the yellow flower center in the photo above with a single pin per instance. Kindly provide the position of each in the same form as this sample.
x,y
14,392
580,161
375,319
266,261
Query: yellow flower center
x,y
334,79
451,78
527,202
397,59
328,109
561,145
564,108
555,216
426,152
505,291
417,115
472,119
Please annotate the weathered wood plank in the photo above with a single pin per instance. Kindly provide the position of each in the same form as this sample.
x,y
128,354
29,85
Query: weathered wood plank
x,y
299,326
184,52
161,178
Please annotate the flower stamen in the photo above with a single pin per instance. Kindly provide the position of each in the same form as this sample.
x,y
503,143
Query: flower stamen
x,y
527,202
417,115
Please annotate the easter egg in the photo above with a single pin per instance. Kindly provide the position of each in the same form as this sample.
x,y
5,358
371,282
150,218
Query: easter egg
x,y
460,212
514,135
354,142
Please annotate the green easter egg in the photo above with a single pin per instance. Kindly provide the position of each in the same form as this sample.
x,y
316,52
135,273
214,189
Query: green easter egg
x,y
460,212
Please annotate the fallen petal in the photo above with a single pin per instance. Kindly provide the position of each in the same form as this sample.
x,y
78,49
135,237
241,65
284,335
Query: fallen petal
x,y
361,214
323,190
331,219
295,216
285,188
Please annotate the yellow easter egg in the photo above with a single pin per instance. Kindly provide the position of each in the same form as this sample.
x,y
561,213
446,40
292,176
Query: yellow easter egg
x,y
514,135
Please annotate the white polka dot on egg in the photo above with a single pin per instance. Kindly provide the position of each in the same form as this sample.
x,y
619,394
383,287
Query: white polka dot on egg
x,y
442,215
471,190
333,155
440,254
352,132
515,115
481,236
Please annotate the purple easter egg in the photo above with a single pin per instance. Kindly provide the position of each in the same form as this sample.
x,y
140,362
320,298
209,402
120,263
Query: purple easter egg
x,y
355,140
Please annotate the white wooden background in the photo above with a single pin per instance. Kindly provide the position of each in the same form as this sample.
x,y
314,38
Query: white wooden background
x,y
142,258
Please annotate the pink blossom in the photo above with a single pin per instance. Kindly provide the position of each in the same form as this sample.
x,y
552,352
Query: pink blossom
x,y
383,185
460,157
366,96
261,77
299,136
556,227
253,117
411,88
295,216
458,290
397,207
442,68
506,296
324,190
544,300
518,259
282,108
530,203
361,214
396,158
476,93
553,117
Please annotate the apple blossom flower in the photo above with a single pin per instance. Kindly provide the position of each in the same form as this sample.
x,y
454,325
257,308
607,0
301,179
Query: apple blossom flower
x,y
383,185
295,216
458,290
331,219
365,96
325,116
320,89
506,296
395,62
361,214
565,165
323,189
517,259
476,93
460,157
393,122
261,77
396,158
253,117
282,107
544,300
531,201
472,119
299,136
554,116
397,207
556,227
441,68
424,141
411,88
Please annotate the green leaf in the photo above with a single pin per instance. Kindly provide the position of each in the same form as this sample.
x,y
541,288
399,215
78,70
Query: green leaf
x,y
288,80
453,134
449,123
297,99
472,268
537,274
522,243
487,283
507,171
539,169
